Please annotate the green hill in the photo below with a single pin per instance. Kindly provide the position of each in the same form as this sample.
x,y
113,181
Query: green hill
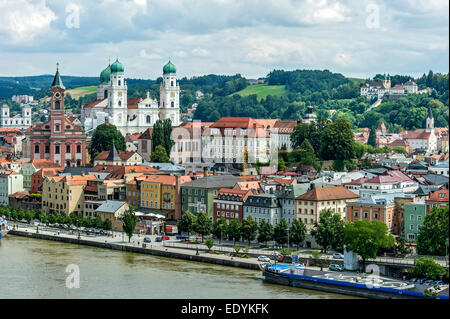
x,y
262,90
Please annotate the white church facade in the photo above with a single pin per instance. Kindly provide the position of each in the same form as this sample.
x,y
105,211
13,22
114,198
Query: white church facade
x,y
131,115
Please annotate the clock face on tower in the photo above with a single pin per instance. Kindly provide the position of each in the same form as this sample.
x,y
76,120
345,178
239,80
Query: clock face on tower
x,y
119,94
57,95
172,94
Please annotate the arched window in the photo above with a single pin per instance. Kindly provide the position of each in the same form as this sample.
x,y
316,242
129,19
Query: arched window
x,y
57,105
120,103
119,82
171,83
172,104
105,94
148,119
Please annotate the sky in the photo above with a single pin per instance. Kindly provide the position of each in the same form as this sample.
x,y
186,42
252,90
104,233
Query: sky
x,y
358,38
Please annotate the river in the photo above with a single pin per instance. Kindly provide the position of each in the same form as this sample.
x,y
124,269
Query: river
x,y
33,268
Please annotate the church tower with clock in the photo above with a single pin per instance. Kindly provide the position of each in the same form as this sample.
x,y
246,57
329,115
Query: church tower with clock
x,y
169,95
58,139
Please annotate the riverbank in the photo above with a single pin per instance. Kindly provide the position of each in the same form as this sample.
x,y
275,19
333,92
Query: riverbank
x,y
150,248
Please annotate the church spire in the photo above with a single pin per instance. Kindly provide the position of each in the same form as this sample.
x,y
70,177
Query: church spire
x,y
57,79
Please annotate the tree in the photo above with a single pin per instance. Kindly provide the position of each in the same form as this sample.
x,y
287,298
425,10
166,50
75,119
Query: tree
x,y
209,242
219,228
280,232
159,155
203,224
328,232
434,232
234,230
265,231
427,267
297,233
372,141
187,222
105,135
161,135
99,222
249,229
400,247
399,149
129,222
306,153
338,141
366,237
107,225
316,257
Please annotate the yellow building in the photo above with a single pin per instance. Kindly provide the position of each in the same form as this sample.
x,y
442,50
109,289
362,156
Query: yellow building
x,y
113,210
64,194
158,192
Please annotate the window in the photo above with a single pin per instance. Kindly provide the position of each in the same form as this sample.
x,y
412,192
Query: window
x,y
356,214
36,148
148,119
365,215
411,217
411,236
419,217
78,148
172,104
57,149
67,148
47,149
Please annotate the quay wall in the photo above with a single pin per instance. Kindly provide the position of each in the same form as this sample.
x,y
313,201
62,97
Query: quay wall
x,y
163,252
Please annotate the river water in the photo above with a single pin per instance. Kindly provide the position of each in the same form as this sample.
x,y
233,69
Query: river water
x,y
34,268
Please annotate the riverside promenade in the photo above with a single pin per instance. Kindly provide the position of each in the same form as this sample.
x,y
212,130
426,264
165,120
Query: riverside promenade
x,y
120,242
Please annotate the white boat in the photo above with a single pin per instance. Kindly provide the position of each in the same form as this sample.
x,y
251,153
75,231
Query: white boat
x,y
4,228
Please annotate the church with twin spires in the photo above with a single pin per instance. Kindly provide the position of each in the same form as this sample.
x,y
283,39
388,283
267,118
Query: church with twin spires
x,y
131,115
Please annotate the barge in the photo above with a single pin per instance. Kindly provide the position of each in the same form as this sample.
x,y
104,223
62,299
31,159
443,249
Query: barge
x,y
365,286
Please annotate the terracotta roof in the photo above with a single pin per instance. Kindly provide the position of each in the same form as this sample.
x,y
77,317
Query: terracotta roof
x,y
418,134
118,171
247,185
358,181
147,135
440,196
94,103
398,143
389,177
328,193
161,179
254,129
241,195
285,125
132,137
267,124
44,163
20,194
132,102
124,155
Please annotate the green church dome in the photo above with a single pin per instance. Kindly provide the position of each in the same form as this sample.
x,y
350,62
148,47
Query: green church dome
x,y
105,76
117,67
169,69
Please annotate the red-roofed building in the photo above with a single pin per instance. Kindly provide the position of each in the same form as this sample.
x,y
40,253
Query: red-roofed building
x,y
228,203
58,139
115,157
438,198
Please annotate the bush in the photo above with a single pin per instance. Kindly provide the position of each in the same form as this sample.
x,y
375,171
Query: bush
x,y
427,267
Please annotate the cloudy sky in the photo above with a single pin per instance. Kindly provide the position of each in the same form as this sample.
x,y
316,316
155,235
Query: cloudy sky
x,y
251,37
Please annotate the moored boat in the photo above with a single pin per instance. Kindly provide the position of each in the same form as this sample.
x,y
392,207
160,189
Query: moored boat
x,y
4,228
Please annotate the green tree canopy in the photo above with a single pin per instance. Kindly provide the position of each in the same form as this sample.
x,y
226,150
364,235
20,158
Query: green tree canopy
x,y
219,228
434,233
372,141
265,231
280,232
159,155
338,141
187,222
103,138
366,237
234,230
328,232
161,135
297,233
129,219
249,229
203,224
427,267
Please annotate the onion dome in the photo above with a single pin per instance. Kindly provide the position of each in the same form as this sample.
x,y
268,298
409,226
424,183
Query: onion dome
x,y
169,69
117,67
105,76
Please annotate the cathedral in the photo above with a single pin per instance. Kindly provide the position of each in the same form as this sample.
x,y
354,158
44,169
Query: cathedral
x,y
131,115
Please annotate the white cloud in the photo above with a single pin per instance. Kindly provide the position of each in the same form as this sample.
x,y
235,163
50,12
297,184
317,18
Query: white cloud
x,y
200,52
22,21
152,56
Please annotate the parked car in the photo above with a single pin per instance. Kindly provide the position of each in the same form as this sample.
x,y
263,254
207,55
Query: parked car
x,y
166,237
439,283
147,240
338,256
429,282
159,239
277,255
264,258
336,267
56,225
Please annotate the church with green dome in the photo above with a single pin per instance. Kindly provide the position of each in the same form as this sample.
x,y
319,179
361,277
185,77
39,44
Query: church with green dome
x,y
131,115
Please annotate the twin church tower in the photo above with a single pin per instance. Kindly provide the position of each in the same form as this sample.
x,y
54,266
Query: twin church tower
x,y
131,115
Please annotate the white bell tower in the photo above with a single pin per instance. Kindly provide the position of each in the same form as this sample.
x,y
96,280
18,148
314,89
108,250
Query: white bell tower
x,y
169,95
